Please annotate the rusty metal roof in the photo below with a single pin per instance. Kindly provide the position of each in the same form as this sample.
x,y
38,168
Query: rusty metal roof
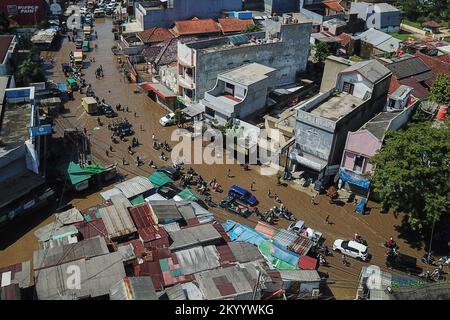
x,y
117,220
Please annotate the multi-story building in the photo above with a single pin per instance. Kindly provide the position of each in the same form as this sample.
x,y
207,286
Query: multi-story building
x,y
7,49
151,14
283,46
322,122
381,16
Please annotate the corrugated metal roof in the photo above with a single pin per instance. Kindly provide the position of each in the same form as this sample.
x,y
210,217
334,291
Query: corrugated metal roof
x,y
71,252
97,274
176,292
174,226
70,216
300,275
226,256
117,220
224,283
191,236
245,252
109,193
301,245
142,216
20,273
134,186
166,211
285,238
92,229
152,233
133,288
265,229
372,70
198,259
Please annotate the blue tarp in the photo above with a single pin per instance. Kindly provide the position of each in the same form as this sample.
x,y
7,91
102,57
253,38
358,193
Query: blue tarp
x,y
240,232
41,130
284,254
349,177
62,87
361,206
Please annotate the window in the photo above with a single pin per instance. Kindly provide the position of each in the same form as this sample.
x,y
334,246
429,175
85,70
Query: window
x,y
229,88
348,87
359,162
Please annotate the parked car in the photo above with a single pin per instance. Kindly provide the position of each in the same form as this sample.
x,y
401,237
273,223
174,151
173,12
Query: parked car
x,y
402,262
171,172
243,195
232,205
167,120
351,248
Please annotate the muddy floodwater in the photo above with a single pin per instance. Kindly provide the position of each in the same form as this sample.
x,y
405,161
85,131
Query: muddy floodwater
x,y
374,227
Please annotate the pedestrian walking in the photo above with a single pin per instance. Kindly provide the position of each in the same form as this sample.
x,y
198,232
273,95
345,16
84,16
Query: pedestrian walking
x,y
107,153
229,173
252,185
269,194
327,219
313,199
153,136
123,161
135,114
344,260
277,198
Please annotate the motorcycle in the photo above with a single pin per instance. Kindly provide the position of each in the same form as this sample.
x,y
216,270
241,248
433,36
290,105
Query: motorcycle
x,y
288,216
211,203
360,240
429,259
324,250
393,246
191,171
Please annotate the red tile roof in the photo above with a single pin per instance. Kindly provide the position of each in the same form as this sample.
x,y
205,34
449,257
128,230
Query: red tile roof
x,y
195,26
431,24
228,25
438,64
334,5
153,35
5,42
345,38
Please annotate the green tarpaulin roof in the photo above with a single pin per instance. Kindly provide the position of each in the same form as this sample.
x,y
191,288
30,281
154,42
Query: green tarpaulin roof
x,y
137,200
265,248
159,179
188,195
78,174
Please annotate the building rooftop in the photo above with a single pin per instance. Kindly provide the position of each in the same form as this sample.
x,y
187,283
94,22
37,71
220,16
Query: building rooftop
x,y
411,66
248,74
153,35
14,126
372,70
191,236
380,40
337,106
378,124
5,43
234,24
196,26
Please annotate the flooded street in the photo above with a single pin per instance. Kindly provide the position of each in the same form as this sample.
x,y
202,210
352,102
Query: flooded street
x,y
374,227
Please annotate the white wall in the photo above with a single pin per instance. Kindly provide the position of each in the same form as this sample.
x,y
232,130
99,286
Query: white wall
x,y
361,84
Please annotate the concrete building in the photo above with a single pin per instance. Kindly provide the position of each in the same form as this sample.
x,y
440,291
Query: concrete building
x,y
7,49
284,46
377,43
164,13
381,16
239,93
281,6
324,120
20,149
363,144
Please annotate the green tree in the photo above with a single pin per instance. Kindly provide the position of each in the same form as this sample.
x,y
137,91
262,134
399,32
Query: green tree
x,y
251,28
440,91
28,72
321,52
413,173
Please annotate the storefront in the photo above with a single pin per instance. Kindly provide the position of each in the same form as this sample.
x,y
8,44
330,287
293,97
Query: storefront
x,y
160,94
25,12
353,182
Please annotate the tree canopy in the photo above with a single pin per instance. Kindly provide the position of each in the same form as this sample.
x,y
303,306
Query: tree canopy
x,y
413,173
440,91
321,52
428,10
28,72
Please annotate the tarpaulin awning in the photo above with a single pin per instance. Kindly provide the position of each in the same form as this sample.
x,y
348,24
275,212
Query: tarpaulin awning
x,y
188,195
193,110
307,263
78,174
313,163
280,258
161,90
353,178
137,200
159,179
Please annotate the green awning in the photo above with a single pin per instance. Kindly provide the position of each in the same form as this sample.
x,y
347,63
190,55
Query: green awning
x,y
78,174
137,200
265,248
159,179
188,195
